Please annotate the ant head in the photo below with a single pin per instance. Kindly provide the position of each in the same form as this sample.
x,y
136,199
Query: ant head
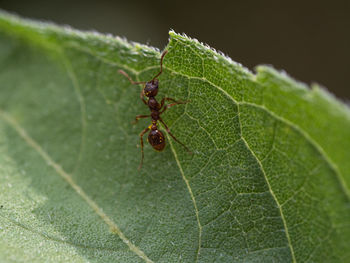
x,y
151,88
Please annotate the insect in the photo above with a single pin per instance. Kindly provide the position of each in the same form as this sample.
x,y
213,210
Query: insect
x,y
155,137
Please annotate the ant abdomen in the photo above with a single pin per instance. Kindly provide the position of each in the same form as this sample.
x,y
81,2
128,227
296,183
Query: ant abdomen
x,y
156,139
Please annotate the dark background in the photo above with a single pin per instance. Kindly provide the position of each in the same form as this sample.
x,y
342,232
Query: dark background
x,y
308,39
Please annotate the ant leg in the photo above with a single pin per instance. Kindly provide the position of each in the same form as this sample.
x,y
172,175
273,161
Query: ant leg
x,y
140,117
134,83
171,99
168,131
142,96
161,64
128,77
171,104
141,141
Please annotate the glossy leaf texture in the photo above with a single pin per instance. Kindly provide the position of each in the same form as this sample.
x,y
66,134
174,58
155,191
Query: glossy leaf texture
x,y
268,180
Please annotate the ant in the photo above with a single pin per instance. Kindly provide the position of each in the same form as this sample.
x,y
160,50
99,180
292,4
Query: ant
x,y
155,137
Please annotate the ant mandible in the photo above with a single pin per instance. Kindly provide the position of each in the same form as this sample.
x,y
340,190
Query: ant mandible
x,y
155,137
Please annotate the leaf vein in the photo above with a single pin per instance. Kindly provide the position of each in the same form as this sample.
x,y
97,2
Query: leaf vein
x,y
324,155
55,239
68,178
192,197
81,100
275,198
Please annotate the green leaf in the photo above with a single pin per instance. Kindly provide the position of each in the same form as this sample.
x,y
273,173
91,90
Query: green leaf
x,y
268,180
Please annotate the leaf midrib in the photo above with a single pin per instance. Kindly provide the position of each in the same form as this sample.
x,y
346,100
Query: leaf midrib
x,y
55,239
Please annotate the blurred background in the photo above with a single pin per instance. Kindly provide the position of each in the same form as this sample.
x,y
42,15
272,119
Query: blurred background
x,y
308,39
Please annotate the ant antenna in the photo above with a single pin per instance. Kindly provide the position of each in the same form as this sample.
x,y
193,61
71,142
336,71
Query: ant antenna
x,y
161,65
144,82
128,77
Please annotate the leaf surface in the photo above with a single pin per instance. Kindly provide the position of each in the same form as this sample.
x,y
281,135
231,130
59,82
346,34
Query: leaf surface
x,y
268,179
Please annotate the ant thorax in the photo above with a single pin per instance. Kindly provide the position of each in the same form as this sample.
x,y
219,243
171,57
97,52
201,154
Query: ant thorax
x,y
153,103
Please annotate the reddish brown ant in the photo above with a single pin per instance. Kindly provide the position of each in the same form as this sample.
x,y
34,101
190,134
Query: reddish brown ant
x,y
155,137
